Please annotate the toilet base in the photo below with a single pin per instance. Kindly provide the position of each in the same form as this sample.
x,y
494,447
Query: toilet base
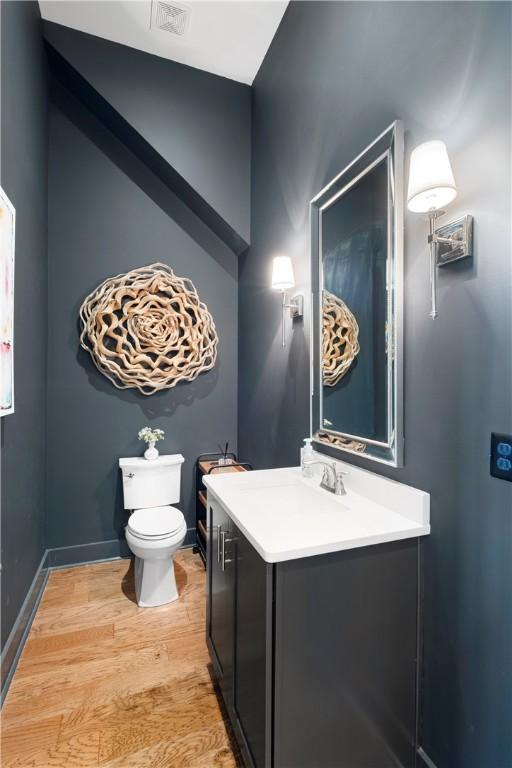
x,y
155,582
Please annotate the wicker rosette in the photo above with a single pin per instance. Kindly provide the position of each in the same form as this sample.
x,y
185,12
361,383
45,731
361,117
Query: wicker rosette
x,y
148,329
340,339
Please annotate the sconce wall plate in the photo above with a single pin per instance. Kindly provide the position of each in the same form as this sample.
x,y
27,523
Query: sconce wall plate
x,y
297,306
460,230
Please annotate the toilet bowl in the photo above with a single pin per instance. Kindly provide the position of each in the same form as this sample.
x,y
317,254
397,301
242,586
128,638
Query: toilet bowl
x,y
155,530
154,535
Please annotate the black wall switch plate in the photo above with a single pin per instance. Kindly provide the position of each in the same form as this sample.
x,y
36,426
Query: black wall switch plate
x,y
501,456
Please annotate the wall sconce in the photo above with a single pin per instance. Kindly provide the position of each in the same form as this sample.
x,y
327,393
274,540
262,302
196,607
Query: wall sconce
x,y
283,280
432,186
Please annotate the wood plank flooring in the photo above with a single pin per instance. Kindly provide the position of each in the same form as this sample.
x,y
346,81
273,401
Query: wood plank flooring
x,y
102,682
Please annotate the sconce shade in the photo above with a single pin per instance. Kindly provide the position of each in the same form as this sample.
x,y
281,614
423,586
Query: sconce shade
x,y
282,273
431,181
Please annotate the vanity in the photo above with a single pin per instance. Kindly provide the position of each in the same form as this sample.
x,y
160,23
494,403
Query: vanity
x,y
312,616
313,596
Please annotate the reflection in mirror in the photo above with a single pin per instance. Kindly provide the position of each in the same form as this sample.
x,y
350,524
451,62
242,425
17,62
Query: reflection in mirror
x,y
357,278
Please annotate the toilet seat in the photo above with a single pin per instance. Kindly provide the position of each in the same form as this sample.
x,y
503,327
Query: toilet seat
x,y
156,523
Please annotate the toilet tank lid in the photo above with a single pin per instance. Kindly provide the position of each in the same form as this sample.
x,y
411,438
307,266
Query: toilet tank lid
x,y
162,461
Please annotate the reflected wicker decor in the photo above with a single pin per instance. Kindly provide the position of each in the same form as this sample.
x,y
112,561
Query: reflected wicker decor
x,y
148,329
341,442
340,339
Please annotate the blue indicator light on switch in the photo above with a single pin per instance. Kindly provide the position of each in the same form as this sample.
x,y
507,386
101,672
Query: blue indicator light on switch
x,y
501,456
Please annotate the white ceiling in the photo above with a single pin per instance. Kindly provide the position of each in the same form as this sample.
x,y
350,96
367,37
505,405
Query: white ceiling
x,y
227,38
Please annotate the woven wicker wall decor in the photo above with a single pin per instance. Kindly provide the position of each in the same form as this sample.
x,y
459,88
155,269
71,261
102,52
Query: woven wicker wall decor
x,y
148,329
340,339
341,442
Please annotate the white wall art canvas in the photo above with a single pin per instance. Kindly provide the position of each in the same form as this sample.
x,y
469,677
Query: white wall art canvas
x,y
7,230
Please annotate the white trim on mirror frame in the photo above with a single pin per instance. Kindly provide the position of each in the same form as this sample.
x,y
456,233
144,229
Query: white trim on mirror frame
x,y
389,143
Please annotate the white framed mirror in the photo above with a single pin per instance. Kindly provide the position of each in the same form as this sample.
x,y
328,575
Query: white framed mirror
x,y
357,287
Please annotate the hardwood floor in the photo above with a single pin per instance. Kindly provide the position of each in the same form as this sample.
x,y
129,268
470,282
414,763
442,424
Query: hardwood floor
x,y
102,682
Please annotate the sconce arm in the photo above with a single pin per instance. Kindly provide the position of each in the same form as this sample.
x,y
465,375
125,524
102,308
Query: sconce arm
x,y
295,305
447,240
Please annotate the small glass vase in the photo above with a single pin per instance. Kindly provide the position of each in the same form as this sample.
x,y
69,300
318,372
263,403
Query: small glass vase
x,y
151,453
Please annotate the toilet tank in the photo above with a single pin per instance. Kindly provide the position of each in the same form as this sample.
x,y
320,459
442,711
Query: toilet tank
x,y
151,483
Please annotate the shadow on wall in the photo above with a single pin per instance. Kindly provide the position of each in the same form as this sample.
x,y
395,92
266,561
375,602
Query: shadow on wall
x,y
103,495
130,165
277,395
158,404
292,427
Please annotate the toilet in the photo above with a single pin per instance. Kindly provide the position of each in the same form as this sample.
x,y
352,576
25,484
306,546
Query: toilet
x,y
155,530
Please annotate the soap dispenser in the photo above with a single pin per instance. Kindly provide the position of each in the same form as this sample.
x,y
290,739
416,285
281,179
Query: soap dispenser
x,y
306,454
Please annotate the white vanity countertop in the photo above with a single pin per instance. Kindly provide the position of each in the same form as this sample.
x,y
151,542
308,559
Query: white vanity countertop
x,y
286,516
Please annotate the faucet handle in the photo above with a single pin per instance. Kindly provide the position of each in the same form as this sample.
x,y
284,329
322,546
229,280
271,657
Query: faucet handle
x,y
340,489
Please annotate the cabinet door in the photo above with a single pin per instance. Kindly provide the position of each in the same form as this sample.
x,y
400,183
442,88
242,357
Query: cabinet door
x,y
221,595
253,651
345,658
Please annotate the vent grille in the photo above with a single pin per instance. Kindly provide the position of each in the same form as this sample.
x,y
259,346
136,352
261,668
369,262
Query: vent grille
x,y
170,17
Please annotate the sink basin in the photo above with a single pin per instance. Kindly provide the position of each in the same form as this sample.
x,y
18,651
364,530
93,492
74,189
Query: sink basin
x,y
286,516
294,497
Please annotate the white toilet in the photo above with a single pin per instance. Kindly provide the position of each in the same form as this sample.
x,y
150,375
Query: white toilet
x,y
155,530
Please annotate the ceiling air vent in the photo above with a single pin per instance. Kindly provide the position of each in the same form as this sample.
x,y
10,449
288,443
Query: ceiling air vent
x,y
170,17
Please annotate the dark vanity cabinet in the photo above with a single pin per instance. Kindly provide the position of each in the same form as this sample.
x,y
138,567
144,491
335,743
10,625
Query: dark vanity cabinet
x,y
316,658
221,591
239,633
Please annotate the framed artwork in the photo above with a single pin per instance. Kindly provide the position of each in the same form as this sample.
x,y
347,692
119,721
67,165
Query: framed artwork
x,y
7,231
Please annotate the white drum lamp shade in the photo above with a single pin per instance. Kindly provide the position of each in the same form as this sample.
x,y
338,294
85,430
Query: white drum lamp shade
x,y
431,181
282,273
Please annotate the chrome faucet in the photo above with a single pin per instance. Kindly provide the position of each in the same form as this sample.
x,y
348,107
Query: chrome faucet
x,y
332,480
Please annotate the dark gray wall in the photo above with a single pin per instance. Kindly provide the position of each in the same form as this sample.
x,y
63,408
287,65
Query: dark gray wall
x,y
197,122
336,75
109,214
23,177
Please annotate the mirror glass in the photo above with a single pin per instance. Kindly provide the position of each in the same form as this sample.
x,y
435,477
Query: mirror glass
x,y
357,296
